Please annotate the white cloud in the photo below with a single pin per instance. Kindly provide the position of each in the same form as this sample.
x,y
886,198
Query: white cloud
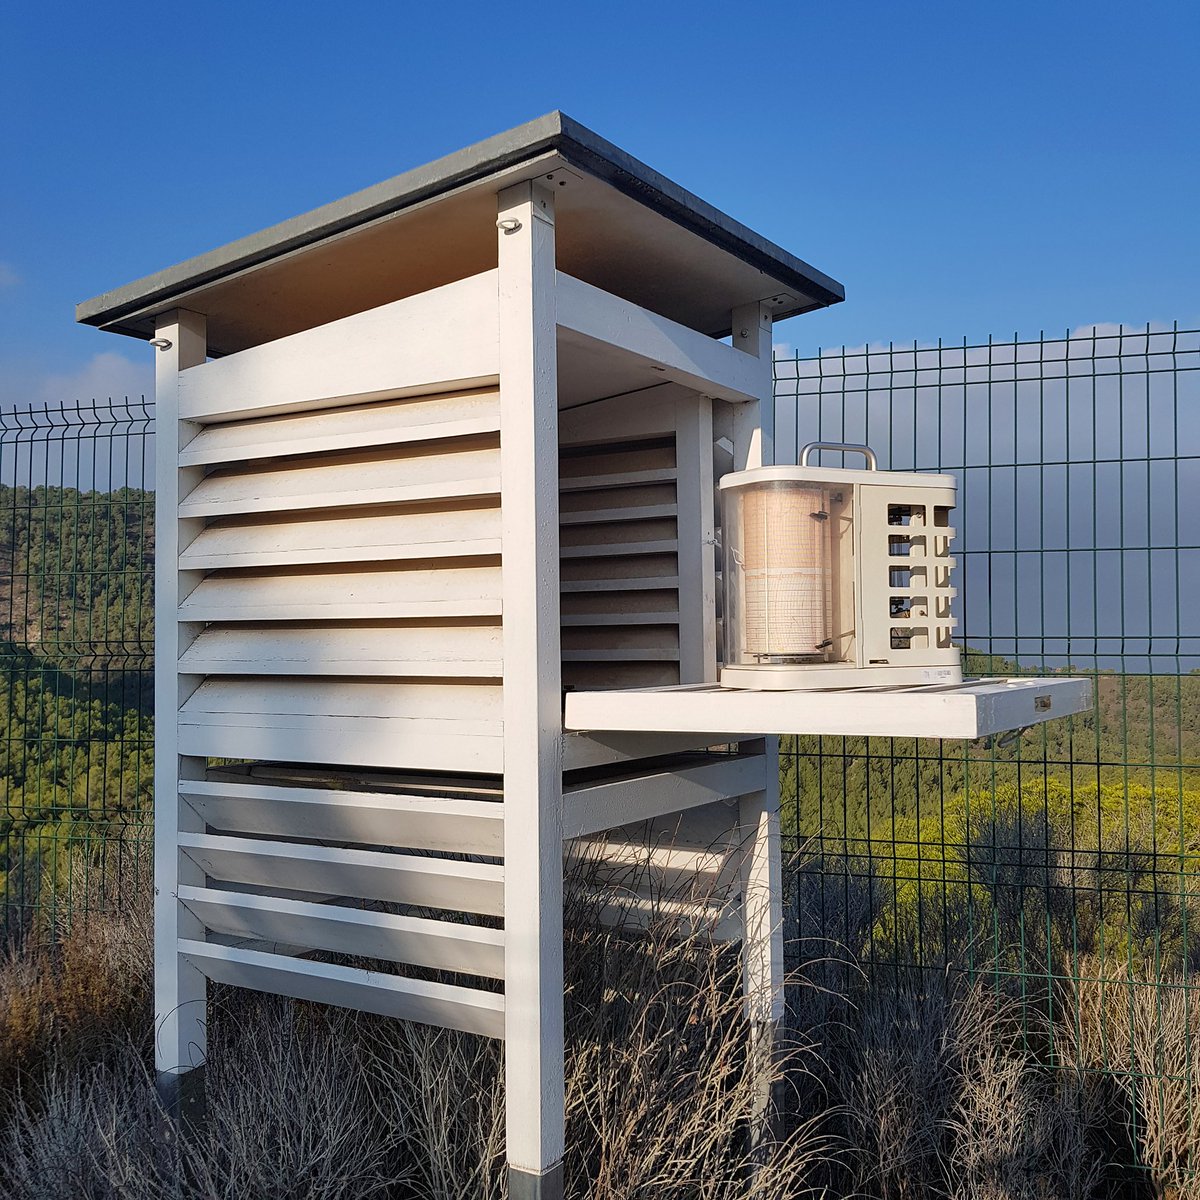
x,y
8,277
1098,329
105,376
1113,328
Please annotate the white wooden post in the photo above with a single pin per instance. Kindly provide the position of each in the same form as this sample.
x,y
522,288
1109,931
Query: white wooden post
x,y
754,424
533,738
762,869
180,990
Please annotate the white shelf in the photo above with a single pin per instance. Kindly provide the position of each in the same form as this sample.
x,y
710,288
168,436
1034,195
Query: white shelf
x,y
977,708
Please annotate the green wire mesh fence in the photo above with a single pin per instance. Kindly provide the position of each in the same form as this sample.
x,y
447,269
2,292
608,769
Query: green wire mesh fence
x,y
1061,865
76,602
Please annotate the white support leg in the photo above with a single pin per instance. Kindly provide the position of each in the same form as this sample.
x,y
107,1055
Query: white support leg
x,y
533,872
762,924
180,991
762,870
762,893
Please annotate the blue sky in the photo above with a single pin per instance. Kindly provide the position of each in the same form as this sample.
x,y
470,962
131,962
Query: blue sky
x,y
962,168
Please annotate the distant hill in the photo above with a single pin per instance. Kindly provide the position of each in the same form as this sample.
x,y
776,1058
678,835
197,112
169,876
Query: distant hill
x,y
76,644
77,575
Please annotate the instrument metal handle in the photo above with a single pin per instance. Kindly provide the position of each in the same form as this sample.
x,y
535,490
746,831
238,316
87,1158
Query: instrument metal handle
x,y
845,447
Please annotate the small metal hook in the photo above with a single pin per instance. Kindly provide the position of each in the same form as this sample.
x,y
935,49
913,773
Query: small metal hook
x,y
161,343
508,224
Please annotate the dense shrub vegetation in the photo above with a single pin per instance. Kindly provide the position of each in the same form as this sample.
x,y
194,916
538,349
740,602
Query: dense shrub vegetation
x,y
76,748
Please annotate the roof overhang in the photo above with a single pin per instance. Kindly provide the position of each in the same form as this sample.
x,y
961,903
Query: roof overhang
x,y
620,225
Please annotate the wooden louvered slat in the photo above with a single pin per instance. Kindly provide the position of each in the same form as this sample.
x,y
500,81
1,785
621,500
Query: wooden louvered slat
x,y
365,933
382,423
441,1004
349,479
569,484
433,725
464,702
387,744
636,604
618,549
607,573
625,654
368,536
591,675
636,533
662,639
647,512
464,651
582,460
417,880
583,751
448,591
695,856
641,495
630,584
621,619
594,806
411,822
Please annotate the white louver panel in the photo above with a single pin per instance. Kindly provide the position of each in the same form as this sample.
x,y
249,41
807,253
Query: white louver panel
x,y
295,862
341,608
350,596
619,531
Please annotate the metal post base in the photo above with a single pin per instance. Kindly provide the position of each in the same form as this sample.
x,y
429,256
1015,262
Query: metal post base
x,y
526,1185
183,1097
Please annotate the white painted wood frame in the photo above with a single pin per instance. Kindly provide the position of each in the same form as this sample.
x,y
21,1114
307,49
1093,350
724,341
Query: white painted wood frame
x,y
443,340
419,880
697,540
368,818
180,989
594,807
443,1004
534,1045
681,354
469,949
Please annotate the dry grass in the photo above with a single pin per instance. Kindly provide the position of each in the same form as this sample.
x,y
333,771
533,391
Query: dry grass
x,y
70,993
918,1085
305,1101
1018,1131
939,1092
1143,1035
662,1093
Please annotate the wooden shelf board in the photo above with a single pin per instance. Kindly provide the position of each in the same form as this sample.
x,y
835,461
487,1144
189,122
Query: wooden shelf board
x,y
976,708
